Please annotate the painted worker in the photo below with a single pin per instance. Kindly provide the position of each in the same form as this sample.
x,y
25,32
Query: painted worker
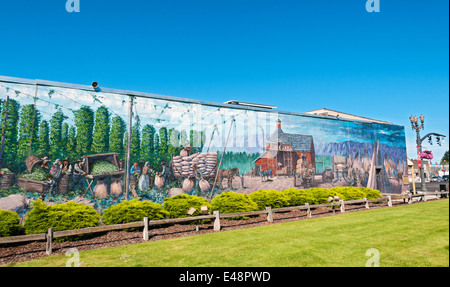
x,y
165,173
78,173
52,185
66,167
121,165
135,171
56,170
46,163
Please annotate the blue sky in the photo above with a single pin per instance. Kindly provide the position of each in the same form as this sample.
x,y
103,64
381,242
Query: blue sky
x,y
298,55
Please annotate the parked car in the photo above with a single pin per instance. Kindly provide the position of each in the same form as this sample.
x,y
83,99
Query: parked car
x,y
436,179
445,177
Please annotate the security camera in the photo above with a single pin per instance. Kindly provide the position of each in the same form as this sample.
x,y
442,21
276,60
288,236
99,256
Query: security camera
x,y
95,85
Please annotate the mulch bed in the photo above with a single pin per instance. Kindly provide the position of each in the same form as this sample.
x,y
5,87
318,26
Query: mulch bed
x,y
27,251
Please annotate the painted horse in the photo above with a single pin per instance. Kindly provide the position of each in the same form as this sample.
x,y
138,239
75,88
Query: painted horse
x,y
229,174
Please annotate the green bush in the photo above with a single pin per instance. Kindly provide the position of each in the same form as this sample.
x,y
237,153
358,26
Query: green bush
x,y
349,192
179,205
65,216
297,197
9,224
321,194
231,202
133,211
371,193
272,198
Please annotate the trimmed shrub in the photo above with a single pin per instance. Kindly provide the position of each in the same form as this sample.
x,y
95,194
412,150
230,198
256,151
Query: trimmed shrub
x,y
349,192
371,193
231,202
9,224
297,197
132,211
272,198
65,216
321,194
179,205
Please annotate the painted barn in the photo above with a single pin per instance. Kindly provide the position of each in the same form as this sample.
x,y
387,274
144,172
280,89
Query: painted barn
x,y
284,151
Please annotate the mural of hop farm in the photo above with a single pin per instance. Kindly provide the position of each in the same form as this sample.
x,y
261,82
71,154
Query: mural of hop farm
x,y
426,154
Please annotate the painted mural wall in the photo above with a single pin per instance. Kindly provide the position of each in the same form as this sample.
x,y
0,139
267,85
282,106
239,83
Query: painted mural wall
x,y
108,146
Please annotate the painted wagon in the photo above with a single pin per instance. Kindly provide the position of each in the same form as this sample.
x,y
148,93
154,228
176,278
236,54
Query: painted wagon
x,y
100,189
29,184
195,166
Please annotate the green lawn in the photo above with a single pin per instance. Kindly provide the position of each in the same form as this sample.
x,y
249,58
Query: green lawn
x,y
413,235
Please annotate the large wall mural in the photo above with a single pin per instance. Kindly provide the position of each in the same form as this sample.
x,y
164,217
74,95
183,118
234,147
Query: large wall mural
x,y
64,142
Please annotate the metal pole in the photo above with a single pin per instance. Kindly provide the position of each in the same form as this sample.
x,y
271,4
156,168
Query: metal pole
x,y
422,175
130,122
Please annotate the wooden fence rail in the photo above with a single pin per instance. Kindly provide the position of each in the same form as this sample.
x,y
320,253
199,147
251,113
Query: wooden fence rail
x,y
50,234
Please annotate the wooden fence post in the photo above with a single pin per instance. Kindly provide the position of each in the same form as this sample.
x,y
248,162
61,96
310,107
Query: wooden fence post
x,y
366,203
341,202
48,247
217,221
269,214
308,210
389,201
145,232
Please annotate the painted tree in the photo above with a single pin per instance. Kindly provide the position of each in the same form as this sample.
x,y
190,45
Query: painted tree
x,y
183,137
116,136
10,128
164,141
174,142
44,142
147,143
71,147
100,141
56,143
156,153
84,121
135,139
65,138
28,132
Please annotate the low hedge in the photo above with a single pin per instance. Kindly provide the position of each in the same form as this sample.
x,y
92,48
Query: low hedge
x,y
10,224
231,202
297,197
272,198
321,195
64,216
349,192
179,205
132,211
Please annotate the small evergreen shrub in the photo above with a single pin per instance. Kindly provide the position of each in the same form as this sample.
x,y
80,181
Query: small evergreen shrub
x,y
9,224
349,192
370,193
132,211
231,202
321,194
64,216
272,198
179,205
297,197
